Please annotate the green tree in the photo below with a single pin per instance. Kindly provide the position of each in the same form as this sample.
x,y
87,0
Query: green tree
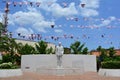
x,y
4,44
42,48
9,46
67,50
77,48
49,51
26,49
85,50
99,48
103,53
111,52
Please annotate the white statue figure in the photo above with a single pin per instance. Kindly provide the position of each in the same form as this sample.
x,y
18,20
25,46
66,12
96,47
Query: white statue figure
x,y
59,54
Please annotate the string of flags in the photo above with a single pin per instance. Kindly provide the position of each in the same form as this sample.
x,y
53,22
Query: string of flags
x,y
64,36
37,4
89,25
34,37
83,26
77,19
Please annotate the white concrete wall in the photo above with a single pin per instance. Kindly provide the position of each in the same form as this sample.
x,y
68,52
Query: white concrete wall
x,y
84,62
109,72
10,72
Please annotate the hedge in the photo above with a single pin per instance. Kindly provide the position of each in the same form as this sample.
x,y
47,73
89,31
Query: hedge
x,y
8,65
111,65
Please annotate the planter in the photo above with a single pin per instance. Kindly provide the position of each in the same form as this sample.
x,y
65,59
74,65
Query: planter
x,y
10,72
109,72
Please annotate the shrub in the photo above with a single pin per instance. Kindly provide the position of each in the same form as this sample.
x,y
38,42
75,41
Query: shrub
x,y
8,58
111,64
8,65
0,61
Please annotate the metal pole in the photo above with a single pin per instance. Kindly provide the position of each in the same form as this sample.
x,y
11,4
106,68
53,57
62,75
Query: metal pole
x,y
5,19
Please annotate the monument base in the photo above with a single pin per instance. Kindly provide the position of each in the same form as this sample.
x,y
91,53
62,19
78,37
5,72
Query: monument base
x,y
60,71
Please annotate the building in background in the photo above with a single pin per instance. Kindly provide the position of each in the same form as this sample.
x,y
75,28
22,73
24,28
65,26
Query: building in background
x,y
97,53
32,43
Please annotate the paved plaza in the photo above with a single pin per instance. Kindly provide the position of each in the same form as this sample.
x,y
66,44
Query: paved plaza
x,y
85,76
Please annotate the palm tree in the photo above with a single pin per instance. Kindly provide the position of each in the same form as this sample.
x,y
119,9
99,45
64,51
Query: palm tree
x,y
42,48
85,50
9,46
78,48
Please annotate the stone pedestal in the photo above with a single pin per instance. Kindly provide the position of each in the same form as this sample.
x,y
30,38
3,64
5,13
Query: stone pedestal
x,y
47,64
60,71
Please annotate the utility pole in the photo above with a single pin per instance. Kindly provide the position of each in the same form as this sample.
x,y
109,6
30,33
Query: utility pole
x,y
5,20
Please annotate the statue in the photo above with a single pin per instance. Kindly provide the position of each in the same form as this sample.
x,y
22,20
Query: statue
x,y
59,54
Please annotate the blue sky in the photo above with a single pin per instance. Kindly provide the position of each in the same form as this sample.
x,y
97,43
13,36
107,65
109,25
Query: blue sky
x,y
97,23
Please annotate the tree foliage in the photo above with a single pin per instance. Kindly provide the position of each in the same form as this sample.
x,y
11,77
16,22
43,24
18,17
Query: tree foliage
x,y
1,28
111,51
78,48
42,48
85,50
26,49
106,54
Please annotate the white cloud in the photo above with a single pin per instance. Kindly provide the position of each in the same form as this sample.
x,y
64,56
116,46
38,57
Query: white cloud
x,y
90,8
91,3
41,26
56,9
25,18
107,22
32,18
89,12
58,30
42,1
112,18
24,31
59,11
